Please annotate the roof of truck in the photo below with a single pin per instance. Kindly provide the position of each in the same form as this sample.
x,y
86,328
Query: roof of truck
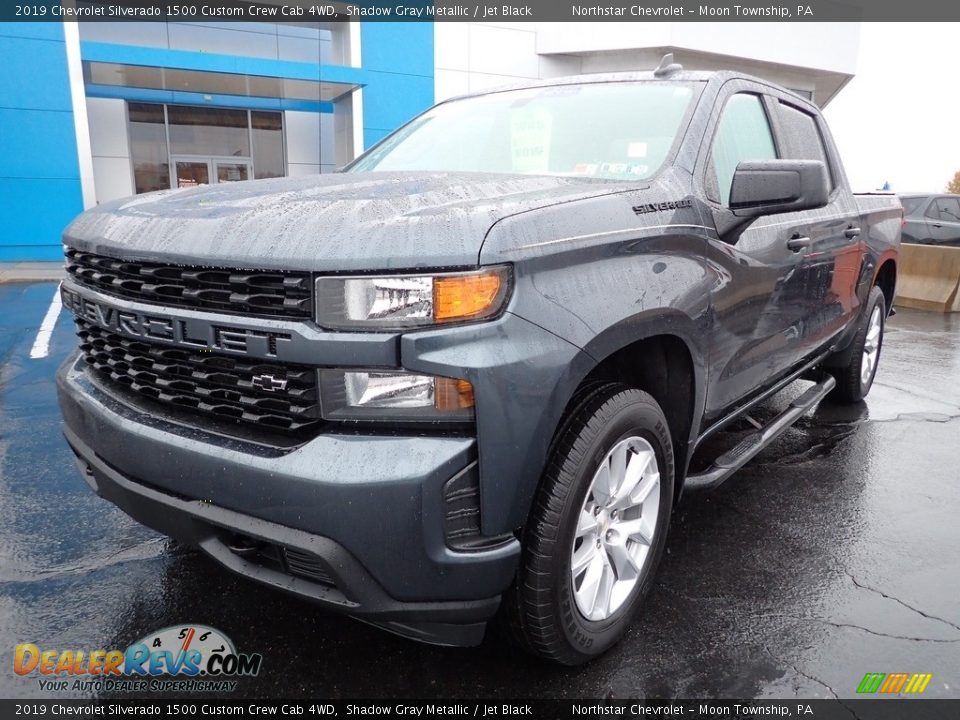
x,y
682,76
647,76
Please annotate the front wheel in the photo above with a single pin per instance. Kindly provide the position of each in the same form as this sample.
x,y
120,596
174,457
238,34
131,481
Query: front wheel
x,y
597,529
856,378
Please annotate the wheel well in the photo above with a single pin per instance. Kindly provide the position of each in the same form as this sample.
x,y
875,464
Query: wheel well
x,y
887,281
662,366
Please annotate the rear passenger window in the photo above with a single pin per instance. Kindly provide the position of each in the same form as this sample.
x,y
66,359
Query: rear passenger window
x,y
742,135
948,209
802,139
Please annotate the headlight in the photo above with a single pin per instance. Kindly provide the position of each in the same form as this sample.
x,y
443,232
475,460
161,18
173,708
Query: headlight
x,y
407,301
396,396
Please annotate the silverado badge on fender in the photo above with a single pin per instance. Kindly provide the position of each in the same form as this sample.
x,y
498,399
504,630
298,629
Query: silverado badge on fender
x,y
645,208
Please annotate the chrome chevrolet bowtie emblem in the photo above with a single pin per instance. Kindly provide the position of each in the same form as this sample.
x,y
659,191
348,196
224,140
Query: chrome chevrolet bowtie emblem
x,y
269,383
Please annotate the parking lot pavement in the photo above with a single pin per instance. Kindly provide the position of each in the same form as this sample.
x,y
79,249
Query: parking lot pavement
x,y
833,554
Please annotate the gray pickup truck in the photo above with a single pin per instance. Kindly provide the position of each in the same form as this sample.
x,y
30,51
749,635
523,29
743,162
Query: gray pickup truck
x,y
464,378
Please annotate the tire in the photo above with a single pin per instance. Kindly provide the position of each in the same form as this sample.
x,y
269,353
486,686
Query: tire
x,y
855,379
543,613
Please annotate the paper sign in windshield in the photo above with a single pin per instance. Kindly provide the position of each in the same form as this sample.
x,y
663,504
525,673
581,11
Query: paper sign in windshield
x,y
530,140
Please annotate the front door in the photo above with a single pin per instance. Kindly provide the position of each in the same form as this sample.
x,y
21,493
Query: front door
x,y
757,300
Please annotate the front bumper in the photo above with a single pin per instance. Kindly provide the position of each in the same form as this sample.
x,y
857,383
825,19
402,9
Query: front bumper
x,y
365,510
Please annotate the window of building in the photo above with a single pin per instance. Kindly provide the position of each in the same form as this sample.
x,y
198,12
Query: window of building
x,y
742,135
185,145
267,135
208,131
148,147
802,137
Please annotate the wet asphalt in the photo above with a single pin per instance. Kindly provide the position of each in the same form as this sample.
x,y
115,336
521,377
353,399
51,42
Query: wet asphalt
x,y
832,554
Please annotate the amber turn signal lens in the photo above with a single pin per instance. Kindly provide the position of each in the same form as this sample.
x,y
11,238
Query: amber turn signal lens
x,y
467,296
452,394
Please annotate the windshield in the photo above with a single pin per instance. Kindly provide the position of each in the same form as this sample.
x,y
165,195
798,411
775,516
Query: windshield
x,y
613,130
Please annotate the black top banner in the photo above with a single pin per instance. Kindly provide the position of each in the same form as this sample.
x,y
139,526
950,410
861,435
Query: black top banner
x,y
472,11
191,707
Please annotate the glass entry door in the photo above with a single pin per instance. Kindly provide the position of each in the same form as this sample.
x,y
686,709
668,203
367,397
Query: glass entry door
x,y
190,171
232,170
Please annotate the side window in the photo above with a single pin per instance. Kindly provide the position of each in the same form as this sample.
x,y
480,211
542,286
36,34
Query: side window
x,y
743,134
912,205
802,138
948,209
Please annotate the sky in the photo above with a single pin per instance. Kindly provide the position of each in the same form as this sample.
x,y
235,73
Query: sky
x,y
897,120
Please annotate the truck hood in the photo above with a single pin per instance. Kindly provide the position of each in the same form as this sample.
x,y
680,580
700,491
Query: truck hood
x,y
337,222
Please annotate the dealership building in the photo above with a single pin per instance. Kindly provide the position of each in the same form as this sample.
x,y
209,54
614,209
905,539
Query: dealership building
x,y
94,111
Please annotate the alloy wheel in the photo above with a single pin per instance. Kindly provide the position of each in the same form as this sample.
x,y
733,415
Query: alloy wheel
x,y
615,528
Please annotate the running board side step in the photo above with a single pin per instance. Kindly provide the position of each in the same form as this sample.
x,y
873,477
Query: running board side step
x,y
735,458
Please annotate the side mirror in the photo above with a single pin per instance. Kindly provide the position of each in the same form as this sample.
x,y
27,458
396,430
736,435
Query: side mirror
x,y
768,187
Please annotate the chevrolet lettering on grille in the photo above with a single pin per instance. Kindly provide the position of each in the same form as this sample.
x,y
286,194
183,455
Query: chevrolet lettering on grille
x,y
156,327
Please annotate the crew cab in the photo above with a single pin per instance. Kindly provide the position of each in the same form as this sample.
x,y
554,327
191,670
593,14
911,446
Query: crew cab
x,y
462,380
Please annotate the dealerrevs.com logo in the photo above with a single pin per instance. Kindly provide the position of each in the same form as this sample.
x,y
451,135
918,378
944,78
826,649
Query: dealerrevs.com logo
x,y
182,658
894,683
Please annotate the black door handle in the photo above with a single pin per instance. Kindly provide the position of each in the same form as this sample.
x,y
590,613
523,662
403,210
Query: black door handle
x,y
798,243
938,225
851,233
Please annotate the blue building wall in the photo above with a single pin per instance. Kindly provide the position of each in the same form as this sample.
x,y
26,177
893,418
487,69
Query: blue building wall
x,y
398,60
40,188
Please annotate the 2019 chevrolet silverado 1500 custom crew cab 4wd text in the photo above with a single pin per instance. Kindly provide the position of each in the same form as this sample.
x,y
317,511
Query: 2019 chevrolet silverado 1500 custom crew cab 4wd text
x,y
465,377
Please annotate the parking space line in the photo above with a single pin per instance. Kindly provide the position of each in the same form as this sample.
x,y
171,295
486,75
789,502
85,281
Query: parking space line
x,y
41,345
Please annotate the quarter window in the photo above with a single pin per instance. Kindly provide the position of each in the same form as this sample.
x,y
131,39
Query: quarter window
x,y
742,135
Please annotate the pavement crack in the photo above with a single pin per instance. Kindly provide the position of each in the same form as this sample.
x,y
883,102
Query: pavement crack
x,y
939,418
862,629
901,602
812,679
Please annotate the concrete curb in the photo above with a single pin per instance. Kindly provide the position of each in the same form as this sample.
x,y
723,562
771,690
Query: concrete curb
x,y
24,272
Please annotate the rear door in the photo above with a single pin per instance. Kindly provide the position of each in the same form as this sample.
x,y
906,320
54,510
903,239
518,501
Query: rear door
x,y
944,220
831,259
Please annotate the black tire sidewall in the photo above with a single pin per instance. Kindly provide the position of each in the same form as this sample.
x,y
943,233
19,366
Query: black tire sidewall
x,y
641,417
876,299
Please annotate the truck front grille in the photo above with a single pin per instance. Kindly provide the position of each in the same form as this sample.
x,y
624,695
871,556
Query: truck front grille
x,y
241,292
195,381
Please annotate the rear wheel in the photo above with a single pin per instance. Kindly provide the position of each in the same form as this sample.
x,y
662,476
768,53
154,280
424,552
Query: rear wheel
x,y
856,378
597,529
